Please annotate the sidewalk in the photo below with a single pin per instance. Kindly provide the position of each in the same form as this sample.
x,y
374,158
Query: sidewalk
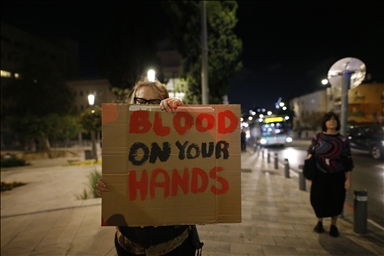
x,y
44,218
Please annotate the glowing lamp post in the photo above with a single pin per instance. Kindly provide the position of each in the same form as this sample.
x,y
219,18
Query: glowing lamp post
x,y
91,102
91,99
151,74
324,81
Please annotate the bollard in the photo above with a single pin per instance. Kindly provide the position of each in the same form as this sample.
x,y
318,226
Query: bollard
x,y
360,211
268,157
286,165
262,153
276,162
301,178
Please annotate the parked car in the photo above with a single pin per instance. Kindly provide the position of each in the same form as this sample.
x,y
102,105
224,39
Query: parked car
x,y
367,139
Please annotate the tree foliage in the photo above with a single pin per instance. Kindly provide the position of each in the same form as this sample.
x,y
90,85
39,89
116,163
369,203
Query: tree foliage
x,y
129,48
40,103
224,47
90,119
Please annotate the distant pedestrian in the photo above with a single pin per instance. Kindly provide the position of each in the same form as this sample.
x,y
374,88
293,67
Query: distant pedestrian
x,y
333,176
243,140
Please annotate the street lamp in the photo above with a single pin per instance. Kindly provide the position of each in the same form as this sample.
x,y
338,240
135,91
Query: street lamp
x,y
204,55
151,74
329,92
91,99
91,102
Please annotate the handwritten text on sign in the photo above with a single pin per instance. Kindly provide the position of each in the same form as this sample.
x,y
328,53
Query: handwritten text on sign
x,y
189,180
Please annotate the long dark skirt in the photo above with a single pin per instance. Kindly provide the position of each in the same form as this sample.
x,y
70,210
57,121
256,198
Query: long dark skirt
x,y
328,194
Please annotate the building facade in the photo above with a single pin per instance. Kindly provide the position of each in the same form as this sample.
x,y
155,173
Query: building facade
x,y
100,88
16,45
365,104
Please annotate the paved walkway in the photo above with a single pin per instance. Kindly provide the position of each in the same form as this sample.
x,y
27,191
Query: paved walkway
x,y
45,218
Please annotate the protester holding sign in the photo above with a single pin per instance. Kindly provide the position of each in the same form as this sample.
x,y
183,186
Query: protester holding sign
x,y
160,240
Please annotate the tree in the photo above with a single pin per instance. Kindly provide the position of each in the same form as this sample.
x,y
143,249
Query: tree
x,y
66,128
40,99
90,121
129,49
224,48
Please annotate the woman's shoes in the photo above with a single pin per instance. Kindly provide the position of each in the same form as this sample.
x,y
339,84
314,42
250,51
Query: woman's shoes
x,y
334,231
319,227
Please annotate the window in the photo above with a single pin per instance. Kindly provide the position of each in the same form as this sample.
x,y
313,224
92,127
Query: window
x,y
5,73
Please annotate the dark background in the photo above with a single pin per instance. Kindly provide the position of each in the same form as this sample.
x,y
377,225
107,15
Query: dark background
x,y
288,46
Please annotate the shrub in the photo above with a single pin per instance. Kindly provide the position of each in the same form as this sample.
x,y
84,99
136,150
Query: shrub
x,y
82,196
9,186
13,162
92,178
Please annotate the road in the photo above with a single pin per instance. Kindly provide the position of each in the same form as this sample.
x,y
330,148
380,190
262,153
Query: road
x,y
368,175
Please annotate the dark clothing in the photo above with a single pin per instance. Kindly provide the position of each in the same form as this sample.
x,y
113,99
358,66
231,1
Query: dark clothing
x,y
148,236
185,248
333,156
328,194
151,235
243,141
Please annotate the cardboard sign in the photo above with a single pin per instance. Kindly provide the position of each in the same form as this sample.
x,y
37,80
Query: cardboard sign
x,y
164,168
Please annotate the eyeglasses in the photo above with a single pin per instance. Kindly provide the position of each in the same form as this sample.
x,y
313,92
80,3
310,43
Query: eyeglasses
x,y
142,101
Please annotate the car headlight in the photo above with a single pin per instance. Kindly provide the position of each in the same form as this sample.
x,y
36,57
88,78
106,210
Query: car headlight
x,y
288,139
263,141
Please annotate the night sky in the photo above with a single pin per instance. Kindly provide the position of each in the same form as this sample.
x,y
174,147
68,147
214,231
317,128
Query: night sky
x,y
288,47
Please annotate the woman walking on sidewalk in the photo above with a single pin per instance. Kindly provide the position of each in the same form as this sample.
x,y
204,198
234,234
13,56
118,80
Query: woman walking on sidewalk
x,y
333,176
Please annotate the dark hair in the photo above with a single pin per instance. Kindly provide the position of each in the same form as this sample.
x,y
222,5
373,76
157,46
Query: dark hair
x,y
327,117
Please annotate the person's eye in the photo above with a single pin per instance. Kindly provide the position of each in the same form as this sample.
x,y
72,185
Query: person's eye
x,y
156,101
140,101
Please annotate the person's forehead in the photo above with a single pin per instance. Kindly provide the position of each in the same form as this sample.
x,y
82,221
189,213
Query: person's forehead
x,y
147,92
